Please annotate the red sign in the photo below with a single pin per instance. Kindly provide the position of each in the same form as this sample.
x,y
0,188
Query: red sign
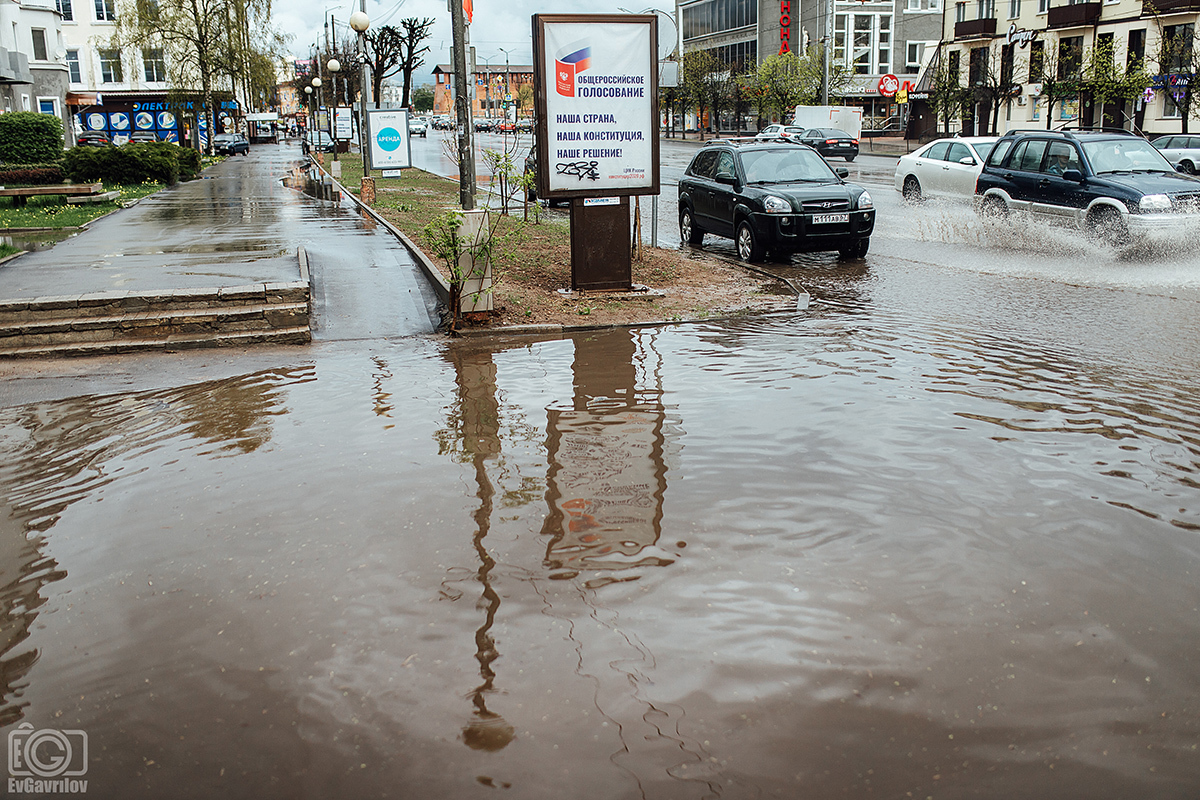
x,y
785,26
888,85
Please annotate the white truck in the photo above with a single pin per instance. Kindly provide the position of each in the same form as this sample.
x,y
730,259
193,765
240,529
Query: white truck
x,y
844,118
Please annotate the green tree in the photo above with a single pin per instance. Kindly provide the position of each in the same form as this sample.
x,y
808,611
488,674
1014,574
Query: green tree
x,y
422,99
1108,83
1178,62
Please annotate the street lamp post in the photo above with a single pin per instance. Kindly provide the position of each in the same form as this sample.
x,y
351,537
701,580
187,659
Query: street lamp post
x,y
507,80
308,91
359,21
487,88
334,66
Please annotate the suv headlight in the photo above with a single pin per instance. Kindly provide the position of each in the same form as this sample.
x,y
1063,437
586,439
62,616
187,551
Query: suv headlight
x,y
1155,202
864,201
776,205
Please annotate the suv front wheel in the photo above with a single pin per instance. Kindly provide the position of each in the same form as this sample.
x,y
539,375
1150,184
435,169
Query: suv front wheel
x,y
748,246
1106,225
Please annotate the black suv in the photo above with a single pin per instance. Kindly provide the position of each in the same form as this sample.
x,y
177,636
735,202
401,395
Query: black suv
x,y
1113,184
773,196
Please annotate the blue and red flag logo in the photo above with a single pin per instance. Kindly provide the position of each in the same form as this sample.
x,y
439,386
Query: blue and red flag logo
x,y
572,60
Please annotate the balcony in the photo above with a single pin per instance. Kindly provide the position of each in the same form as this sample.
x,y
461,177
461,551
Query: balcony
x,y
976,28
1155,7
1075,16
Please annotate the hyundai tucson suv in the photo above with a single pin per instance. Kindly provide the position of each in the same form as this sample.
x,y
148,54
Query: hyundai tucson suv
x,y
773,196
1112,184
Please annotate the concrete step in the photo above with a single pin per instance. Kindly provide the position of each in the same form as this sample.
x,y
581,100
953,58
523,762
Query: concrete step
x,y
294,335
109,322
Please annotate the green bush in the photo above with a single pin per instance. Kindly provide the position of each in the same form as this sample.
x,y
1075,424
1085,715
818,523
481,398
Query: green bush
x,y
189,163
32,175
127,164
27,137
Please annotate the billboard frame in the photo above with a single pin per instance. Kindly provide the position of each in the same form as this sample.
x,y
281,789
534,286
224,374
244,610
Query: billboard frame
x,y
542,104
374,122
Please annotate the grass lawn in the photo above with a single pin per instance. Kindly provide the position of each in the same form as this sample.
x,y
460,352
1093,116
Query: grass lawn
x,y
54,211
534,263
7,250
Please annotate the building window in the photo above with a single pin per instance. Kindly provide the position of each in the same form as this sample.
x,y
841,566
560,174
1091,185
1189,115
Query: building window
x,y
1137,46
48,105
73,66
1014,9
110,66
1037,60
912,57
39,44
1043,6
839,39
64,8
952,66
155,66
913,5
883,65
986,9
1171,107
1070,57
106,10
718,16
935,5
960,12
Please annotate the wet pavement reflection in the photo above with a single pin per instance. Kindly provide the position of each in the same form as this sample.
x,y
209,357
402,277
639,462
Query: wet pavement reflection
x,y
936,537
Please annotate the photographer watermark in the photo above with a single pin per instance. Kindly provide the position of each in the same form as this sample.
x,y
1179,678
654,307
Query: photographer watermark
x,y
46,760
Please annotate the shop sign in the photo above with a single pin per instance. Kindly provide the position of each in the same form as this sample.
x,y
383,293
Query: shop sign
x,y
785,26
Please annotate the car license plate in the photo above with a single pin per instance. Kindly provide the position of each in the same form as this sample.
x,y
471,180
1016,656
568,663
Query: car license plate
x,y
819,219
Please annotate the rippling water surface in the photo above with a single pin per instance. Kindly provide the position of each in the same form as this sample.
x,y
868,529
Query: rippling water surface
x,y
935,538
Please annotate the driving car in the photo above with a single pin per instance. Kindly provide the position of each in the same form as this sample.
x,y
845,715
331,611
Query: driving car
x,y
231,144
417,127
773,195
1113,184
945,167
1182,151
831,142
780,132
319,141
93,139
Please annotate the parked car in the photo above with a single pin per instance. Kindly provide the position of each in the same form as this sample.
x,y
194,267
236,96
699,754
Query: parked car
x,y
1182,151
143,137
946,167
231,144
831,142
483,124
506,126
773,196
93,139
318,141
525,125
1113,184
417,127
790,132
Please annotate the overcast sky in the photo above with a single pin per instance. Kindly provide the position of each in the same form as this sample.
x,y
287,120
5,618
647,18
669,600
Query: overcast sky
x,y
499,24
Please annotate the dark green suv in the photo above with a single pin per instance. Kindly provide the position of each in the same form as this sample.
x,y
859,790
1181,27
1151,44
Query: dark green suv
x,y
773,196
1114,184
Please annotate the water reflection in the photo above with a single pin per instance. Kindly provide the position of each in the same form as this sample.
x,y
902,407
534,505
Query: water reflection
x,y
64,452
607,477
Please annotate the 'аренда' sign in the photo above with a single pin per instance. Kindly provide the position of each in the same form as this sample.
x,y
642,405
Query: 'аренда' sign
x,y
600,92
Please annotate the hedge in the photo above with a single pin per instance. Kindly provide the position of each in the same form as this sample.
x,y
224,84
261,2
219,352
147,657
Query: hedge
x,y
29,137
32,175
130,163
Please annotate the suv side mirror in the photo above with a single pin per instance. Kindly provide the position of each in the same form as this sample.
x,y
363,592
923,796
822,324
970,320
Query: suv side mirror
x,y
842,172
725,177
1073,175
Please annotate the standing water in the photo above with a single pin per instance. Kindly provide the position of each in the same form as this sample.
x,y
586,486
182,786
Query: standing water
x,y
937,537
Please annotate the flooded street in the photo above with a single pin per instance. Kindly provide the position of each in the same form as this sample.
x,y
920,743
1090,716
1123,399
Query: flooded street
x,y
937,536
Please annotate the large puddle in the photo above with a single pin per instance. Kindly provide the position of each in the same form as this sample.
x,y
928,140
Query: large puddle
x,y
933,538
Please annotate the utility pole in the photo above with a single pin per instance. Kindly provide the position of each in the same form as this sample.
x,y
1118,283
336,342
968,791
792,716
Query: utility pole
x,y
466,153
826,51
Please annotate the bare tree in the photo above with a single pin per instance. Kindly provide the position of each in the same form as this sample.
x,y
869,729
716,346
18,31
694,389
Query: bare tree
x,y
385,50
416,31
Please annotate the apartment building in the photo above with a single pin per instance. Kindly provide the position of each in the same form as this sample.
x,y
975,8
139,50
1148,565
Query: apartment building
x,y
871,40
1026,40
33,76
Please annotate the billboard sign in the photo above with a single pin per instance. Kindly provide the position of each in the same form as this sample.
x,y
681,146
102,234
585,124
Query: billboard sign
x,y
596,84
388,145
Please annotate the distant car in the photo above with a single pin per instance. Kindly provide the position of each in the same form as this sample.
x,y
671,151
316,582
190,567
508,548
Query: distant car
x,y
143,136
790,132
484,124
1183,151
525,125
318,141
506,126
947,167
831,142
773,195
417,127
231,144
93,139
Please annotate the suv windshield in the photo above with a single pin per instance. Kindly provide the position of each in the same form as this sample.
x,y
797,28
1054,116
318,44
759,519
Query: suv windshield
x,y
1125,155
786,165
